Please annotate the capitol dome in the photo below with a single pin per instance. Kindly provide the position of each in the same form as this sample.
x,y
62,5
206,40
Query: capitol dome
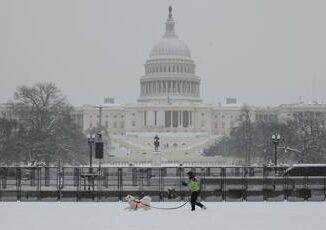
x,y
170,71
170,46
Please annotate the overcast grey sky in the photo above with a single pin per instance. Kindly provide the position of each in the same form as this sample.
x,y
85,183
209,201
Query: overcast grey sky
x,y
262,52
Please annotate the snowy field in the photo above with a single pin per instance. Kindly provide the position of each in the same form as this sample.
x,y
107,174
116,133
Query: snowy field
x,y
219,215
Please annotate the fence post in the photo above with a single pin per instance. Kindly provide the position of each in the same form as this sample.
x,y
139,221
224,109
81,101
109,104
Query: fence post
x,y
245,172
99,183
202,184
18,183
32,176
106,177
181,171
161,183
47,176
141,181
59,181
134,176
264,184
285,187
306,186
223,183
4,177
76,176
148,176
39,182
77,183
120,183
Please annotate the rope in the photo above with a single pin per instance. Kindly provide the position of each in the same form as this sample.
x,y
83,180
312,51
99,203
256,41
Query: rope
x,y
169,208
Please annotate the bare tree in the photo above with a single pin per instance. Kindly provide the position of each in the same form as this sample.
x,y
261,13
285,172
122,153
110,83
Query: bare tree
x,y
46,131
308,142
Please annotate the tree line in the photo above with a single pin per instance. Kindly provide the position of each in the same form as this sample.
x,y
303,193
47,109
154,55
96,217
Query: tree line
x,y
303,140
40,128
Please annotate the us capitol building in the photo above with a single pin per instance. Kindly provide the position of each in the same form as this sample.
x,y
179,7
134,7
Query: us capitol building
x,y
170,106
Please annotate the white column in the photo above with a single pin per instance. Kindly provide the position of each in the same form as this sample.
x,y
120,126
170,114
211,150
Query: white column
x,y
193,89
198,89
179,87
161,91
143,88
184,88
148,91
189,118
145,85
156,87
149,88
179,120
153,85
188,86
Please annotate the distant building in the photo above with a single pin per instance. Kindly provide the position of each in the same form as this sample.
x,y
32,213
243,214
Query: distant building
x,y
109,100
231,101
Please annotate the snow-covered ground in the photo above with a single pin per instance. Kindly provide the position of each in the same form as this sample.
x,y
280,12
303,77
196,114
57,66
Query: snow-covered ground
x,y
219,215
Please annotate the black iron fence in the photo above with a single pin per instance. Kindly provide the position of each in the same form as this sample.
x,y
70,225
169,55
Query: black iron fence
x,y
161,183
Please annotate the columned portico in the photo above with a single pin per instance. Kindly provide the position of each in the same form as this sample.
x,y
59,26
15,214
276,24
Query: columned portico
x,y
168,119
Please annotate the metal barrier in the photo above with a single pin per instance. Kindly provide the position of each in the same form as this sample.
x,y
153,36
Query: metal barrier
x,y
161,183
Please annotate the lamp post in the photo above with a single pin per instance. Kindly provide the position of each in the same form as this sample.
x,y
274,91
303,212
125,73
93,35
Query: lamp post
x,y
91,141
276,140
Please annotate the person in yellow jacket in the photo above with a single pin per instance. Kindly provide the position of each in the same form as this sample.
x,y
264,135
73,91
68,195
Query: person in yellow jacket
x,y
194,187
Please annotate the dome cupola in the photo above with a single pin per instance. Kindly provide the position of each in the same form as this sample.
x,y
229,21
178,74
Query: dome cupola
x,y
170,44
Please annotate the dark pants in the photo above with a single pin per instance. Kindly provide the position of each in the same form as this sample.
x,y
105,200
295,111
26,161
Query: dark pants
x,y
193,200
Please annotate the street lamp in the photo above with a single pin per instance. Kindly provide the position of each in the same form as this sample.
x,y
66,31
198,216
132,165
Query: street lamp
x,y
276,140
91,141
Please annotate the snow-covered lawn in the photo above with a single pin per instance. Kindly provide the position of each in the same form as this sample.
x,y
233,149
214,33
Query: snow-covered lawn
x,y
108,216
